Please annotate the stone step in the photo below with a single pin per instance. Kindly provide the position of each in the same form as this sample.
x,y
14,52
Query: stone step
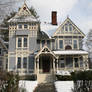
x,y
45,87
45,78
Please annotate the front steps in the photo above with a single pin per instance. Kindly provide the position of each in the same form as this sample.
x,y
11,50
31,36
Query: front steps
x,y
45,78
45,87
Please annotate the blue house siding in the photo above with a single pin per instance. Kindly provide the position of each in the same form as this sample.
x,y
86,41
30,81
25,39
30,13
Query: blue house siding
x,y
33,44
12,63
12,44
31,62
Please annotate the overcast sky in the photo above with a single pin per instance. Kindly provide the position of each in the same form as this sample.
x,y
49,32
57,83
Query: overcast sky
x,y
80,11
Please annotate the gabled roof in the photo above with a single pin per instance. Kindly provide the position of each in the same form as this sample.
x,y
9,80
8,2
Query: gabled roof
x,y
23,15
45,50
68,20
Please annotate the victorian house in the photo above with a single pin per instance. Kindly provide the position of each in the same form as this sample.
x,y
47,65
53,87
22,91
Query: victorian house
x,y
33,51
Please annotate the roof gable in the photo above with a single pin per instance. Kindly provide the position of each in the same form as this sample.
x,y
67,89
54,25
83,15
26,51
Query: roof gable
x,y
24,11
45,50
68,28
23,15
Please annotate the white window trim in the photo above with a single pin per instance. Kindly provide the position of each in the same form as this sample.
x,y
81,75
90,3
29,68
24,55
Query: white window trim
x,y
22,42
59,44
77,44
22,56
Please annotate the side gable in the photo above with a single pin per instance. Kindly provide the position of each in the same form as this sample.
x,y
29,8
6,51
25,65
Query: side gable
x,y
68,28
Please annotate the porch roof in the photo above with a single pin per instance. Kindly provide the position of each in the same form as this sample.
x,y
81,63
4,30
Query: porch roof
x,y
71,52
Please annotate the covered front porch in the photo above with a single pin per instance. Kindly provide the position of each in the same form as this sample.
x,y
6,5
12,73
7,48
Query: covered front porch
x,y
70,60
45,62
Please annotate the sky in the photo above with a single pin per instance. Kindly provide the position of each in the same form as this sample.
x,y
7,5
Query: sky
x,y
79,11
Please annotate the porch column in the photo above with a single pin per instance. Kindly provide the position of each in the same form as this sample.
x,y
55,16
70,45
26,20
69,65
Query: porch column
x,y
79,61
84,62
38,65
54,65
73,63
35,66
57,63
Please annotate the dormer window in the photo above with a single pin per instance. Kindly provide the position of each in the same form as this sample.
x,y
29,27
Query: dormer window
x,y
20,26
25,26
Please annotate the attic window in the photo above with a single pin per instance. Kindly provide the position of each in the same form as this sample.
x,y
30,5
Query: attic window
x,y
24,8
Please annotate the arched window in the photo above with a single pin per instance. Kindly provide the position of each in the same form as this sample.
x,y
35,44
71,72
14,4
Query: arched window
x,y
68,47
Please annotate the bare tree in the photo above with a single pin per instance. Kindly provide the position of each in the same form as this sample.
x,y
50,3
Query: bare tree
x,y
7,6
88,44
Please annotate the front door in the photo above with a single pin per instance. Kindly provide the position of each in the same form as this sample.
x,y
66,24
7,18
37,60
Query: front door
x,y
46,64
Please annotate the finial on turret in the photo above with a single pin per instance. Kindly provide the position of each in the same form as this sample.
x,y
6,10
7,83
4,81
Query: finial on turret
x,y
24,1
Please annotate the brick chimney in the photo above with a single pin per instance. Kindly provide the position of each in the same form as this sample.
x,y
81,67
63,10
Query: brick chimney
x,y
54,18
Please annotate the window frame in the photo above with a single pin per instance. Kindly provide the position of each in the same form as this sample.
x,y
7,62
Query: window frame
x,y
76,44
18,42
19,63
24,42
70,27
25,26
62,44
20,27
25,63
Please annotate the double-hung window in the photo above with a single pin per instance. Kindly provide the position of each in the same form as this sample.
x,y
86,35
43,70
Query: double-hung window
x,y
25,26
20,26
19,62
25,62
22,42
25,42
70,27
19,42
75,44
61,44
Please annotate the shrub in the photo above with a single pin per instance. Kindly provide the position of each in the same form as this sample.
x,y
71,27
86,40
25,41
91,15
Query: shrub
x,y
29,77
82,81
63,77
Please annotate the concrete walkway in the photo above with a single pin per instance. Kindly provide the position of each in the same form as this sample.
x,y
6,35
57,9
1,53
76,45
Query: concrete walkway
x,y
48,87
